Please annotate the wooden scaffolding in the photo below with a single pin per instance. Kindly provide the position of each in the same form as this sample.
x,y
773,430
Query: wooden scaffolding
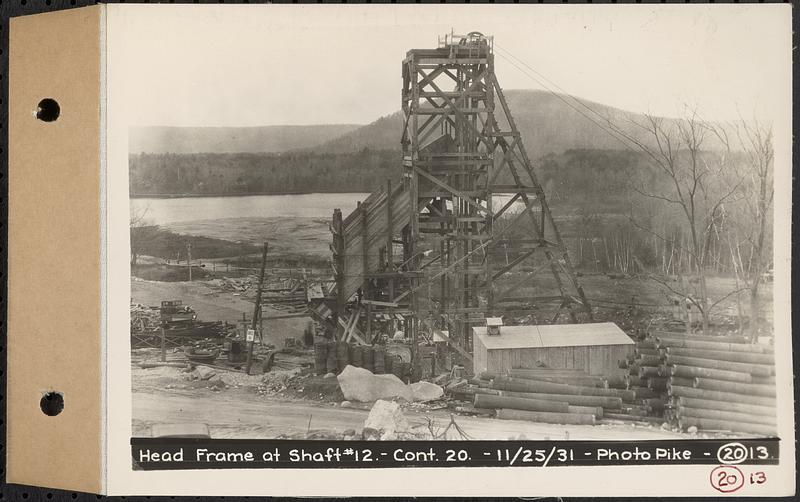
x,y
436,246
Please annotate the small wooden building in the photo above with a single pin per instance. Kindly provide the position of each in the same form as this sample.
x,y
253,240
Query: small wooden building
x,y
596,348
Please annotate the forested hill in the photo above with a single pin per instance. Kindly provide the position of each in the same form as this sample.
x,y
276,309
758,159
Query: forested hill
x,y
267,139
572,153
599,176
251,173
547,122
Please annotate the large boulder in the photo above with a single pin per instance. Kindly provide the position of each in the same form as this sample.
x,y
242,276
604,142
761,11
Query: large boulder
x,y
426,391
204,372
385,422
359,384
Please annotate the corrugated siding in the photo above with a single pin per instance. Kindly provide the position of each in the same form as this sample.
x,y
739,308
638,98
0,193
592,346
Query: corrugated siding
x,y
377,223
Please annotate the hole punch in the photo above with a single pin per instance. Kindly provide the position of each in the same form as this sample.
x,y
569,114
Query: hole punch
x,y
48,110
52,403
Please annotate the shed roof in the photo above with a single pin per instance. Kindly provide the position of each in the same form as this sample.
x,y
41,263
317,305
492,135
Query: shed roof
x,y
554,335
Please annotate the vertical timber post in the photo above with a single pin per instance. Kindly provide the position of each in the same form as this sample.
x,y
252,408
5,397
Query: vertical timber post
x,y
163,343
257,309
365,285
189,259
414,196
339,260
390,243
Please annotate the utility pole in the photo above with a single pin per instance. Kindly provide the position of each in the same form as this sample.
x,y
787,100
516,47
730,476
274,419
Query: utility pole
x,y
189,259
163,343
257,311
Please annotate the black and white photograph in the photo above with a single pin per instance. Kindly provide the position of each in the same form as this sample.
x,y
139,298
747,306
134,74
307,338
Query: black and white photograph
x,y
366,224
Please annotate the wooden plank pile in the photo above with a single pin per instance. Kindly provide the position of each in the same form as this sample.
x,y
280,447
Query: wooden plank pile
x,y
558,396
707,382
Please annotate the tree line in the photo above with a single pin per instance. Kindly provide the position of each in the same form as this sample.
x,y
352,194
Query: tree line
x,y
252,173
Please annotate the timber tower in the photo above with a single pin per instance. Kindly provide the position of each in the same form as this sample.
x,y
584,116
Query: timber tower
x,y
468,232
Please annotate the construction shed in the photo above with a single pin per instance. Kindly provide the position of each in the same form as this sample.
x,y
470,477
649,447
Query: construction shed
x,y
595,348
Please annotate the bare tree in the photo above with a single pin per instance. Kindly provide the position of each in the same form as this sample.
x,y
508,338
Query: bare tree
x,y
750,232
694,187
142,231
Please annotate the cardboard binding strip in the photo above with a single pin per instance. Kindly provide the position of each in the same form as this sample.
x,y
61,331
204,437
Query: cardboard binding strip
x,y
54,295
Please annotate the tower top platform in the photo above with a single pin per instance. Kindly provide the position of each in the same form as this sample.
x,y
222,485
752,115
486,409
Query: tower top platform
x,y
474,45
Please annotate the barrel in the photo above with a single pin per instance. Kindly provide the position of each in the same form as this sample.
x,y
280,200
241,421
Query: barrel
x,y
355,356
342,355
321,357
368,358
388,363
378,360
330,363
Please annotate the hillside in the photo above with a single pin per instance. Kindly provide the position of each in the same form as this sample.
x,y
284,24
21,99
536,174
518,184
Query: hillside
x,y
267,139
362,158
548,126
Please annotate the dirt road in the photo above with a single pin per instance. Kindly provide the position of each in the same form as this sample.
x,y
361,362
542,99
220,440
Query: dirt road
x,y
237,413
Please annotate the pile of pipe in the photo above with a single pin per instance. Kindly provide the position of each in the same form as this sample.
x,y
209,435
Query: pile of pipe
x,y
556,396
711,383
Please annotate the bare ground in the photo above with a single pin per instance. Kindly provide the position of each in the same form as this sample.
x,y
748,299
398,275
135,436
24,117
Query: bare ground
x,y
212,305
241,412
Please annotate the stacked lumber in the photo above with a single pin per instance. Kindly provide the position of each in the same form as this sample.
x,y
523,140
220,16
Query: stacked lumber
x,y
720,383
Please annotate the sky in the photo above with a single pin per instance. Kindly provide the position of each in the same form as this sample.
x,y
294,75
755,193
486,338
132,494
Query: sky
x,y
225,65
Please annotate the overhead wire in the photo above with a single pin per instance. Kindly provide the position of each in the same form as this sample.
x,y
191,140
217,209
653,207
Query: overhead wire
x,y
612,130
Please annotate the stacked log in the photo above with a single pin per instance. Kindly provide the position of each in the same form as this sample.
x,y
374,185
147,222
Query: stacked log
x,y
544,395
709,382
720,383
701,381
647,381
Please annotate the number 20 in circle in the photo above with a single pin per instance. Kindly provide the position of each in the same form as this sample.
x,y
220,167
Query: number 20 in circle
x,y
726,478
